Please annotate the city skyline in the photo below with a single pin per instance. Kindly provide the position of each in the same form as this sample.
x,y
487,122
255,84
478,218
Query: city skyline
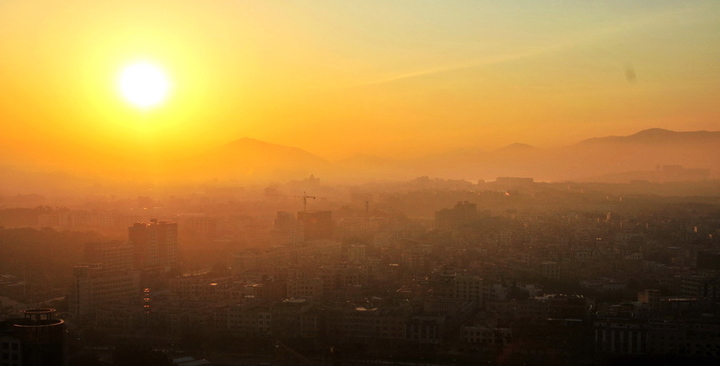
x,y
324,182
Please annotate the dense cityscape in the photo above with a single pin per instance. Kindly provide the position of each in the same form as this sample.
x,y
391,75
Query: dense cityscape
x,y
359,182
427,271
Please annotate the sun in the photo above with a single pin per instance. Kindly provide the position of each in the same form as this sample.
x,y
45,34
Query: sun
x,y
143,84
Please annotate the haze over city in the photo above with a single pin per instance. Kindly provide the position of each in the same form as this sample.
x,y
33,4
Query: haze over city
x,y
359,182
338,79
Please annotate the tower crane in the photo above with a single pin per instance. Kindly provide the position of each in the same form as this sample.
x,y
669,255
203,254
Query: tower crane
x,y
305,198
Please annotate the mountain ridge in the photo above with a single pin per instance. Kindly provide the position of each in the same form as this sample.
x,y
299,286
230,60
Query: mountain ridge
x,y
250,159
654,135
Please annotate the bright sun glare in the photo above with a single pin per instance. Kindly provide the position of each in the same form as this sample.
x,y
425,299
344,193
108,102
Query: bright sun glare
x,y
143,84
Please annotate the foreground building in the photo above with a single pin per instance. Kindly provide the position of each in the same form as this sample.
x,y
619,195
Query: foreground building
x,y
37,339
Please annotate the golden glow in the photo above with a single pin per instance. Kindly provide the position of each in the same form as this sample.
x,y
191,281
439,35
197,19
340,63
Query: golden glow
x,y
143,84
368,77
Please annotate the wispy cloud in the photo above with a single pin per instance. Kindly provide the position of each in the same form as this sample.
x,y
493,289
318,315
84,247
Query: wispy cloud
x,y
593,35
442,69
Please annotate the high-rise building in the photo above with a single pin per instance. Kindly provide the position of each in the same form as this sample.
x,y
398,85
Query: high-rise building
x,y
317,225
34,340
113,256
468,287
287,229
464,213
93,287
357,253
154,244
105,277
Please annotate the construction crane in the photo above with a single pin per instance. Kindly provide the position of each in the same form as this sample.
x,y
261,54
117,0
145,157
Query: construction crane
x,y
305,198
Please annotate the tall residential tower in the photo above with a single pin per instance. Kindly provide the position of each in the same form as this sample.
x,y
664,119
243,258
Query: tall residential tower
x,y
154,243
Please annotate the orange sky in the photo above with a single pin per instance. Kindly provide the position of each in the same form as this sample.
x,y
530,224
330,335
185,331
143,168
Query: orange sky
x,y
395,79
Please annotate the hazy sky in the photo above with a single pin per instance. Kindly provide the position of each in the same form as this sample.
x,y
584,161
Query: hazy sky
x,y
388,78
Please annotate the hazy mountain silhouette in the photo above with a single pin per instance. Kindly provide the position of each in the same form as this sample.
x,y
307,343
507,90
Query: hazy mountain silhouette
x,y
659,136
252,149
645,151
611,158
517,148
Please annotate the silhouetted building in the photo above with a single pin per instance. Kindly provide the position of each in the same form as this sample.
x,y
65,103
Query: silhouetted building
x,y
414,258
692,336
549,269
107,276
287,229
317,225
357,253
701,286
112,256
651,298
35,340
154,243
469,288
198,226
462,214
93,287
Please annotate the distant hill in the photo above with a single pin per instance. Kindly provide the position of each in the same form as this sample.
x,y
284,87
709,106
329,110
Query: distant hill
x,y
658,136
247,149
516,148
648,150
654,154
591,159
